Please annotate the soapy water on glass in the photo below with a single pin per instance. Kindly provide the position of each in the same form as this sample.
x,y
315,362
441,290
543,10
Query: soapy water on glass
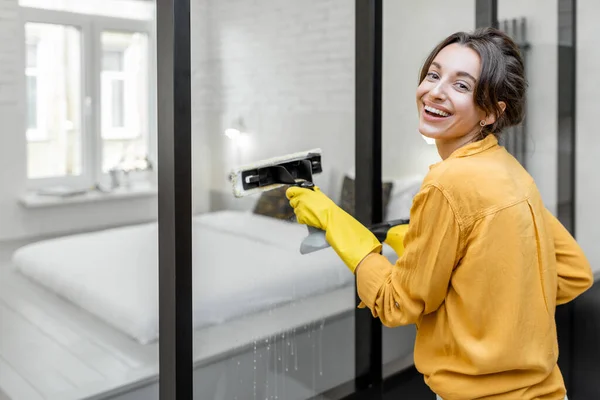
x,y
279,354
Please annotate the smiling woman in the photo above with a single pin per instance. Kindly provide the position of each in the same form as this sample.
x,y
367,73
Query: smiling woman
x,y
484,263
468,89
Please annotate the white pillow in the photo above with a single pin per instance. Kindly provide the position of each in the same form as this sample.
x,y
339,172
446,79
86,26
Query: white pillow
x,y
401,198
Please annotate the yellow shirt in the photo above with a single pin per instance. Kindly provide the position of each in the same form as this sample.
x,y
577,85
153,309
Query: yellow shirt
x,y
484,266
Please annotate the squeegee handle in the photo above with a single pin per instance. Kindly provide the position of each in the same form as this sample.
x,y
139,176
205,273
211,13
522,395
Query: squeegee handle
x,y
316,237
306,185
311,186
311,229
315,241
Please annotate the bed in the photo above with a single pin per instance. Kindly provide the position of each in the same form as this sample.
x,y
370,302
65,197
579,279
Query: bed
x,y
242,263
255,297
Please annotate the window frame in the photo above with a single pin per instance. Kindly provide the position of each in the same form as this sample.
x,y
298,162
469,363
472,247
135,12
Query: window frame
x,y
91,27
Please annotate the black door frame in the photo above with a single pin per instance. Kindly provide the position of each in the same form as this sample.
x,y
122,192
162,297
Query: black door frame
x,y
174,199
486,13
368,148
566,114
567,90
175,189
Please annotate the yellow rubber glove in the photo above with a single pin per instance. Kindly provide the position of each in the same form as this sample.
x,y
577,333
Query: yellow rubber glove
x,y
351,240
395,238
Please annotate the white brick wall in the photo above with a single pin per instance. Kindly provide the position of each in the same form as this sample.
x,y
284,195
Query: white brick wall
x,y
288,55
9,51
286,67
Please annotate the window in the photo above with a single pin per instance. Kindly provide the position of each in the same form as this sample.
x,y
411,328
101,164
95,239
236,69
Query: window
x,y
53,86
124,96
88,89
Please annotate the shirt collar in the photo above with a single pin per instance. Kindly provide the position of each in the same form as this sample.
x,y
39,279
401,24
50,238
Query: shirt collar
x,y
472,148
475,147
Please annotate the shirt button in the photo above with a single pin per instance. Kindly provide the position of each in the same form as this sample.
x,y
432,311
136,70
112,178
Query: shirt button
x,y
397,305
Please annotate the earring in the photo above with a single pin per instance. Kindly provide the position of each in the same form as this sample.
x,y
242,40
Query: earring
x,y
482,123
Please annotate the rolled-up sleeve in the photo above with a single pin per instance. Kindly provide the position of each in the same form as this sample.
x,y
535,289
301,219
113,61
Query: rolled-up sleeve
x,y
417,284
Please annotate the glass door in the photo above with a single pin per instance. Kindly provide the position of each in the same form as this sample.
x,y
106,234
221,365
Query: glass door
x,y
244,314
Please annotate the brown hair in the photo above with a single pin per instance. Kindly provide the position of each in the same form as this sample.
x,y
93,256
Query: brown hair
x,y
502,75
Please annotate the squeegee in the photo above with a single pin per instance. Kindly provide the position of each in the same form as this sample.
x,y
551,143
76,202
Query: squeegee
x,y
293,169
297,169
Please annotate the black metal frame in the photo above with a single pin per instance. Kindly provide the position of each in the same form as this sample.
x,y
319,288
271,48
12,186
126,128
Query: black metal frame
x,y
368,381
369,200
567,62
567,56
486,13
174,199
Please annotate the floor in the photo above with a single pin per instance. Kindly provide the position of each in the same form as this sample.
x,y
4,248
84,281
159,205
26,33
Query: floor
x,y
411,386
49,347
45,351
68,332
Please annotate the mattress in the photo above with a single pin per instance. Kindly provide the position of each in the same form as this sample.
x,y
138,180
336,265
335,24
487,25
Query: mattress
x,y
242,263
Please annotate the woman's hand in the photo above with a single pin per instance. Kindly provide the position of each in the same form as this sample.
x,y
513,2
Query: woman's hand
x,y
395,238
312,207
349,238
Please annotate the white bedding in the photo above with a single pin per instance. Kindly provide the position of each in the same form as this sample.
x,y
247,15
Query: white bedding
x,y
242,263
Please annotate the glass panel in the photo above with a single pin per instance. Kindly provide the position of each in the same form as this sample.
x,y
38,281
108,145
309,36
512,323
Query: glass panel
x,y
125,96
130,9
270,323
78,270
53,77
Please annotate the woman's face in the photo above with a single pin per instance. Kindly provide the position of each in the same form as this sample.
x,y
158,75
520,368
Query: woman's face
x,y
445,100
